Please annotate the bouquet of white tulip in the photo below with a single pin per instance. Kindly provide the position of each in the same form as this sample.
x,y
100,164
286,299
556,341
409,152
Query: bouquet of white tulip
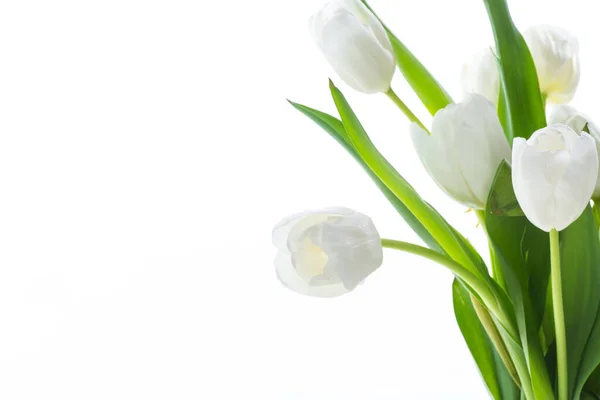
x,y
532,319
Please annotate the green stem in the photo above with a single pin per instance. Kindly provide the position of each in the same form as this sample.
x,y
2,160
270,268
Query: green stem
x,y
461,272
404,108
559,316
519,367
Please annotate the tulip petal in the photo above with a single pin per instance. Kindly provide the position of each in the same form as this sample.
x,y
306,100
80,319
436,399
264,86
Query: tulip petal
x,y
531,186
326,252
481,76
554,175
465,148
556,56
286,273
483,147
439,160
355,44
577,121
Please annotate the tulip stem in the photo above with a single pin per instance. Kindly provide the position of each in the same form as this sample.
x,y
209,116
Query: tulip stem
x,y
404,108
458,270
559,316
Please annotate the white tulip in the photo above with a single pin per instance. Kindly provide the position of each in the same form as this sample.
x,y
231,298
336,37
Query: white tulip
x,y
355,44
326,253
577,121
555,54
554,173
465,149
481,76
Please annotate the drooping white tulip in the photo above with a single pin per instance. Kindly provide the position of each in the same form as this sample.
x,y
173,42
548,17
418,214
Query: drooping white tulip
x,y
480,75
578,122
555,53
465,149
326,253
554,173
356,45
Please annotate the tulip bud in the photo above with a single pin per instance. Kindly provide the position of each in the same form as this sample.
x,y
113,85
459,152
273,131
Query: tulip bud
x,y
578,122
556,56
326,253
554,173
355,44
481,76
465,149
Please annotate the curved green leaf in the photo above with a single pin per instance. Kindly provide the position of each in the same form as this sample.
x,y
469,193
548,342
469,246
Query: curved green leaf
x,y
431,93
492,369
522,253
523,111
580,267
335,129
435,224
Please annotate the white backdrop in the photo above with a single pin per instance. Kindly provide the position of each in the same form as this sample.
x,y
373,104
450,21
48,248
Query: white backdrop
x,y
146,150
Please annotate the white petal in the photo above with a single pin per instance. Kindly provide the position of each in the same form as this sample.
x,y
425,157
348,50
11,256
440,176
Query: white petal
x,y
577,182
481,76
326,252
556,56
282,230
355,44
554,175
464,150
286,273
439,159
532,189
577,121
353,246
481,145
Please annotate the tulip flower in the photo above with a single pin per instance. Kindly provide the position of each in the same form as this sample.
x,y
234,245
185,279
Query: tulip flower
x,y
554,173
556,57
465,149
326,253
356,45
578,122
481,76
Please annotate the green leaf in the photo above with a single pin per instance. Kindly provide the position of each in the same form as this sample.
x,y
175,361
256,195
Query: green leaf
x,y
431,93
335,129
592,386
522,253
452,243
521,92
491,367
580,267
503,200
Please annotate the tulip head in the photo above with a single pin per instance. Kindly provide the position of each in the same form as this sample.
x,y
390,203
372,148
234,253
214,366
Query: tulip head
x,y
355,44
579,122
481,76
326,253
555,54
465,149
554,173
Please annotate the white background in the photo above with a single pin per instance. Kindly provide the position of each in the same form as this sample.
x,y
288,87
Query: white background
x,y
146,151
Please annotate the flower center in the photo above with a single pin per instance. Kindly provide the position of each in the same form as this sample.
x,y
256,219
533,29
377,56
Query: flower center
x,y
310,260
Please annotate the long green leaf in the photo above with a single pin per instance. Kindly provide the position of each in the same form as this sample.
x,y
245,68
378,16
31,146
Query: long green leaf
x,y
523,255
493,371
580,266
435,224
524,109
592,386
431,93
335,129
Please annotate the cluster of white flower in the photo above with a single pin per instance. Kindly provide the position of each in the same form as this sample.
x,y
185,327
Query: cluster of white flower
x,y
555,171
